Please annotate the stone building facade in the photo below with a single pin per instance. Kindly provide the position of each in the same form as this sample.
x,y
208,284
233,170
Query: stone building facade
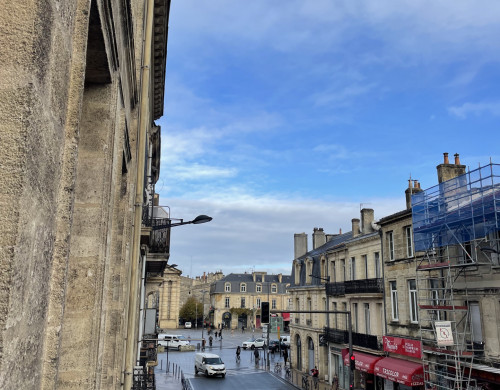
x,y
235,300
342,273
81,85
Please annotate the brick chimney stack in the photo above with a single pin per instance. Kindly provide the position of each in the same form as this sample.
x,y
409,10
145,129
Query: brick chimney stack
x,y
447,171
355,227
300,244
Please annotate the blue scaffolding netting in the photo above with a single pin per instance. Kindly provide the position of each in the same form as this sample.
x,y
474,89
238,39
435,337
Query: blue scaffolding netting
x,y
459,210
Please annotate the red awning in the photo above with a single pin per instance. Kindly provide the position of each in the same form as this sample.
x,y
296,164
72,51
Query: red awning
x,y
286,316
364,362
400,371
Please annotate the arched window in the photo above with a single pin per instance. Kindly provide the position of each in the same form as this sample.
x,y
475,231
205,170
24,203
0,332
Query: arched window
x,y
298,344
274,288
243,287
227,287
310,348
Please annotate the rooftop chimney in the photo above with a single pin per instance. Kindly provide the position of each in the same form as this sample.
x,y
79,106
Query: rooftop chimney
x,y
300,244
319,237
413,188
355,227
447,171
367,217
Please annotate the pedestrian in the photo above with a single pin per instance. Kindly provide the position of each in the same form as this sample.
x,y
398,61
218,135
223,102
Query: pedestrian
x,y
210,339
285,355
242,328
216,334
203,342
256,355
315,372
232,332
220,334
219,325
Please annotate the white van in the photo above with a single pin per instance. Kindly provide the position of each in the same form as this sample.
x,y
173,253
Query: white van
x,y
285,340
172,341
210,364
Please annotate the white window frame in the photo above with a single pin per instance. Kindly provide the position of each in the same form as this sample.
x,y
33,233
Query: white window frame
x,y
367,318
258,288
227,287
409,241
273,303
274,289
412,301
243,287
390,243
394,300
258,303
227,302
378,273
353,268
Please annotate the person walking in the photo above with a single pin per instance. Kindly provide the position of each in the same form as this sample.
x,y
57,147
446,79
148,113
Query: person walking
x,y
256,355
242,328
210,339
285,355
216,334
220,334
238,352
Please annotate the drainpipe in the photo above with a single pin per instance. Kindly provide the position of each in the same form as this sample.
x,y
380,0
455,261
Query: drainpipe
x,y
143,124
142,305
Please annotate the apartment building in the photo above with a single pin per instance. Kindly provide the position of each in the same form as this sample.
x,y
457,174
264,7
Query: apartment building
x,y
236,299
342,274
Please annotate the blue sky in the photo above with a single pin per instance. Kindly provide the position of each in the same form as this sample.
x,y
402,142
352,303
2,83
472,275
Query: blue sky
x,y
282,116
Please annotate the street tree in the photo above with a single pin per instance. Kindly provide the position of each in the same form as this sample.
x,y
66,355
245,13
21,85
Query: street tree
x,y
191,309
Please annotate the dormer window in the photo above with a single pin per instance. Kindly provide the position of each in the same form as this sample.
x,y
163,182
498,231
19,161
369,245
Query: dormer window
x,y
297,272
227,287
243,287
309,267
258,288
274,288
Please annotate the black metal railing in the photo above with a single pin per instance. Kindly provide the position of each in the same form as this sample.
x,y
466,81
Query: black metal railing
x,y
160,238
143,380
340,336
335,289
364,286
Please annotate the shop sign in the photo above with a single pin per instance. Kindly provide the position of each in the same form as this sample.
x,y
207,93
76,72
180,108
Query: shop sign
x,y
407,347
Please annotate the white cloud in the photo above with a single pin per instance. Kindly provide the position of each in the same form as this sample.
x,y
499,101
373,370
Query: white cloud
x,y
477,109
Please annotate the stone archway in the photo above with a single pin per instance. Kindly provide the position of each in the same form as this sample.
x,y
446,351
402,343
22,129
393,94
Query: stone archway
x,y
226,320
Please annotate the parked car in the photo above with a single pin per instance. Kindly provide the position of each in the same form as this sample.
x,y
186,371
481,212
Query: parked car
x,y
187,325
275,345
172,341
210,364
254,343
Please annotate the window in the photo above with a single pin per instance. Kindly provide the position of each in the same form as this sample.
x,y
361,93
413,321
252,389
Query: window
x,y
367,318
289,303
226,304
394,301
243,287
344,308
390,243
334,307
297,304
378,273
242,302
258,288
353,268
434,285
365,262
227,287
342,269
412,290
409,241
273,304
475,319
309,308
258,303
274,289
355,315
334,272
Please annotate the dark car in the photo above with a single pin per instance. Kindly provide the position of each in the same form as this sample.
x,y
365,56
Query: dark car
x,y
274,345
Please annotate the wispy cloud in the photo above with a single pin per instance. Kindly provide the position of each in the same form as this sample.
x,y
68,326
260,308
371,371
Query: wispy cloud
x,y
477,109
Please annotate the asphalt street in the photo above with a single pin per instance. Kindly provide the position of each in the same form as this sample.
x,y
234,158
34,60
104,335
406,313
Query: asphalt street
x,y
245,374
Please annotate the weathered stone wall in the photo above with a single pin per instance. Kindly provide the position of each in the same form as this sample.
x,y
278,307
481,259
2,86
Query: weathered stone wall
x,y
40,80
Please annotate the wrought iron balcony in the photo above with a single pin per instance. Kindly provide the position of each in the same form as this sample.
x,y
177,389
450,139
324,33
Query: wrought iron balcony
x,y
340,336
335,289
364,286
160,238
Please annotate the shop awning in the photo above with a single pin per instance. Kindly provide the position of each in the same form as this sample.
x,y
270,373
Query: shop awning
x,y
400,371
286,316
364,362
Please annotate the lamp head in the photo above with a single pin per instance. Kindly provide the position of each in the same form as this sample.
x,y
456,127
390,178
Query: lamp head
x,y
201,219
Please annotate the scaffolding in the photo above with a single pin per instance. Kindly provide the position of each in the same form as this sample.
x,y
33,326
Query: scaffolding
x,y
456,228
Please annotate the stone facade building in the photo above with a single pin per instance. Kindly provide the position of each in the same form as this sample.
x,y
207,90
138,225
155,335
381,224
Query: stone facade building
x,y
235,300
342,273
81,85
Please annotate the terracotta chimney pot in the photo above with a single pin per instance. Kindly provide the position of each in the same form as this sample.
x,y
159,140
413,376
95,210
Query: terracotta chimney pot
x,y
457,159
446,161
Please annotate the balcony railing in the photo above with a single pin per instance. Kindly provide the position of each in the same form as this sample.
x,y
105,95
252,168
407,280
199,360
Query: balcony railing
x,y
340,336
335,289
160,238
364,286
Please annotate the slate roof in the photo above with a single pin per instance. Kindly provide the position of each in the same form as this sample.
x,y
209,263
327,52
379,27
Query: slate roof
x,y
237,279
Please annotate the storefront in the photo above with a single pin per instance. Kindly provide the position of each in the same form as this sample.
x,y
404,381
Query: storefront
x,y
400,374
365,364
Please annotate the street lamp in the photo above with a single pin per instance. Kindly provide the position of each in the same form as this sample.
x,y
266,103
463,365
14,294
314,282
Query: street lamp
x,y
165,223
